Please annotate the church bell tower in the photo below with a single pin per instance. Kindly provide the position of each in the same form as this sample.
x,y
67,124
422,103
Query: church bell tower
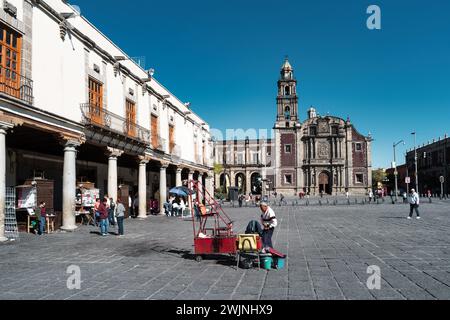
x,y
287,99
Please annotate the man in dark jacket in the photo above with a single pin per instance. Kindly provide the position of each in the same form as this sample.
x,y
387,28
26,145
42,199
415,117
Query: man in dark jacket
x,y
103,217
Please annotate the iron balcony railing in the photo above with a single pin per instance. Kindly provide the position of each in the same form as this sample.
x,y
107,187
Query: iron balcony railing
x,y
93,115
15,85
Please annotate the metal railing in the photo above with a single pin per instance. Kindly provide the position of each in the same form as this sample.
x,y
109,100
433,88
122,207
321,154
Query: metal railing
x,y
15,85
93,115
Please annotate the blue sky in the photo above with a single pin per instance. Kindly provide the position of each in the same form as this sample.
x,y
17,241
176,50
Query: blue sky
x,y
224,57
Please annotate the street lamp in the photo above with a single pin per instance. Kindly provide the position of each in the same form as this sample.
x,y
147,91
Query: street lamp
x,y
415,161
395,169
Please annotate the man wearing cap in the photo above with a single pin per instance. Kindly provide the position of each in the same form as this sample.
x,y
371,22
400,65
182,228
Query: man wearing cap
x,y
269,223
414,202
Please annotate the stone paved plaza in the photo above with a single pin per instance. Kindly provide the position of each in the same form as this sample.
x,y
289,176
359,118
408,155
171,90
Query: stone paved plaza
x,y
329,249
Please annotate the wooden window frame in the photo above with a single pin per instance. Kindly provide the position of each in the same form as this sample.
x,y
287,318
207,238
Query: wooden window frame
x,y
10,76
95,93
130,105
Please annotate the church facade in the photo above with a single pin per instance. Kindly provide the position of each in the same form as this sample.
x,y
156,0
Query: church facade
x,y
322,154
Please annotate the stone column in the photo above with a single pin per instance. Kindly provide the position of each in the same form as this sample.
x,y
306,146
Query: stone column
x,y
162,187
178,179
142,188
69,185
113,154
3,128
191,175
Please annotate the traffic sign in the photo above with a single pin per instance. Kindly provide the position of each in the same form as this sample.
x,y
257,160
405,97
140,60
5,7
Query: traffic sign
x,y
442,179
407,180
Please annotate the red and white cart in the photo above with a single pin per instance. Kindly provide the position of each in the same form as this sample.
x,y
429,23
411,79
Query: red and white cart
x,y
213,228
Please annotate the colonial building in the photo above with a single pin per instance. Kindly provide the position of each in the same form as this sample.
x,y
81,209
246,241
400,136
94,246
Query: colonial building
x,y
76,108
321,154
433,162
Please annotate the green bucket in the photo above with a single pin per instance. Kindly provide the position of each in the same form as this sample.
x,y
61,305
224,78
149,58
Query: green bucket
x,y
266,261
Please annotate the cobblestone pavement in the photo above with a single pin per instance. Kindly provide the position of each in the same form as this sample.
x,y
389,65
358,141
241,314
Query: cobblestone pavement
x,y
329,250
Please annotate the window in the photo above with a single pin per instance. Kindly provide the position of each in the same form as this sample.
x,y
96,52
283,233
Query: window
x,y
10,58
240,158
359,178
154,131
96,101
358,146
131,117
287,113
335,130
287,91
287,148
256,158
288,179
312,131
171,138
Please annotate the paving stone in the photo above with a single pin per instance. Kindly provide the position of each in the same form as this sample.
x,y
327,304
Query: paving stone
x,y
329,250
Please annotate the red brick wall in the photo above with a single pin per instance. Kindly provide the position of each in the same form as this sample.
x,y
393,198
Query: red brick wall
x,y
288,159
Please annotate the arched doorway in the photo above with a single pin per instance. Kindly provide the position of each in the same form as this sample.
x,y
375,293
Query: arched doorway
x,y
240,182
324,183
256,182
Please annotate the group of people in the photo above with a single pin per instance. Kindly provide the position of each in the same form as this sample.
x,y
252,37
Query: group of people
x,y
175,206
107,212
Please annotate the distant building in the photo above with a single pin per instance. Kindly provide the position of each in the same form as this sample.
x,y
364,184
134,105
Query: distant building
x,y
433,161
401,178
321,154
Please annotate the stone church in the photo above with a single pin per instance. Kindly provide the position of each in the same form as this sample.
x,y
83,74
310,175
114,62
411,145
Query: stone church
x,y
321,154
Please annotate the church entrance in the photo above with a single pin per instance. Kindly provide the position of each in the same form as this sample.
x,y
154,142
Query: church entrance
x,y
324,183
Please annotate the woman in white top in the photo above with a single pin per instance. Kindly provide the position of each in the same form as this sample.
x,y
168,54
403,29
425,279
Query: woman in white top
x,y
269,222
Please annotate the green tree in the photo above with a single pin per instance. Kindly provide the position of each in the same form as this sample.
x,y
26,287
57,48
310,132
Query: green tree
x,y
378,176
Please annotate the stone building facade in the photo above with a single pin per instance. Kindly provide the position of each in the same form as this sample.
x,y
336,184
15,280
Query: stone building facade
x,y
321,154
433,161
75,108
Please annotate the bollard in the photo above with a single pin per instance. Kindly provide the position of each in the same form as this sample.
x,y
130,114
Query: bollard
x,y
328,201
320,202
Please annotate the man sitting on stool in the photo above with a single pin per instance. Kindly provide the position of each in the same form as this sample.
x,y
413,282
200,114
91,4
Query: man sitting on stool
x,y
269,223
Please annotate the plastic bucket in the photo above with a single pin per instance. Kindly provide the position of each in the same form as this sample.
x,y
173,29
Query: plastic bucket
x,y
266,262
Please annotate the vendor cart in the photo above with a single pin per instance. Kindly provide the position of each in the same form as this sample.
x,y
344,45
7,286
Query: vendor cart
x,y
213,229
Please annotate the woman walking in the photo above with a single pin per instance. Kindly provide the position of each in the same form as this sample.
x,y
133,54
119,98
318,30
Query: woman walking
x,y
120,216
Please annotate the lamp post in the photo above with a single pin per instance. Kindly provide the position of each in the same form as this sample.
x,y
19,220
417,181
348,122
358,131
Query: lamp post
x,y
395,169
415,162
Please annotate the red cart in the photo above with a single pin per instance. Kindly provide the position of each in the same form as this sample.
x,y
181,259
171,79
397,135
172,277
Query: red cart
x,y
213,228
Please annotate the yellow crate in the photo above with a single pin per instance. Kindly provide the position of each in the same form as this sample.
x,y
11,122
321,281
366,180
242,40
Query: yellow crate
x,y
247,242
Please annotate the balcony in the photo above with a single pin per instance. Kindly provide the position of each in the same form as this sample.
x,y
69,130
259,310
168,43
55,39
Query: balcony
x,y
16,86
175,152
98,117
158,143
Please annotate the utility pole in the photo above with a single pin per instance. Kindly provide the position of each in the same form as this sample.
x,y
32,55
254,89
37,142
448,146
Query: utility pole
x,y
415,161
395,169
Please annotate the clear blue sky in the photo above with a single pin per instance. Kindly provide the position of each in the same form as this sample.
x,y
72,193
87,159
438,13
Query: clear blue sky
x,y
224,57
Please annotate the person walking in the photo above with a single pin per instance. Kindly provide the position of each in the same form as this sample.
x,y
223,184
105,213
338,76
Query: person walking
x,y
370,196
42,218
111,212
241,200
120,216
269,223
414,202
103,211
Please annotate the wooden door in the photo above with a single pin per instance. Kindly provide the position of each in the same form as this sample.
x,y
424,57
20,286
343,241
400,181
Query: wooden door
x,y
171,138
131,118
96,101
154,129
10,61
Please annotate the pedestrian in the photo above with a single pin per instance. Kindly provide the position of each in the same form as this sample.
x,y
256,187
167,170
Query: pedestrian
x,y
135,206
111,212
269,223
281,199
370,196
103,215
168,206
120,216
97,212
414,202
42,218
405,197
130,207
240,200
